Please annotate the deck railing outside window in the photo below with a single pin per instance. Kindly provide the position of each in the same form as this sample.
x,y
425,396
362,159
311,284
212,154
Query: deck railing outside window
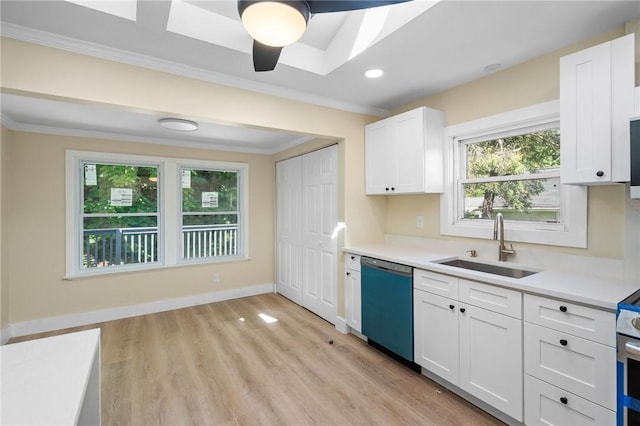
x,y
122,246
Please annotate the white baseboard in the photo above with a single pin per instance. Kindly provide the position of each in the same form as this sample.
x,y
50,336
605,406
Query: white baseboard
x,y
341,325
5,335
74,320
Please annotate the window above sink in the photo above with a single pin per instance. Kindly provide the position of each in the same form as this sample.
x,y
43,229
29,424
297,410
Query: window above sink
x,y
507,163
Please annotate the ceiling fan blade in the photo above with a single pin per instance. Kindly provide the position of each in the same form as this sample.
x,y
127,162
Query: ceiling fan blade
x,y
265,58
324,6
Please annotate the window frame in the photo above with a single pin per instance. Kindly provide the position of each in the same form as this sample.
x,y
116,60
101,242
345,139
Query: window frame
x,y
169,210
572,229
241,230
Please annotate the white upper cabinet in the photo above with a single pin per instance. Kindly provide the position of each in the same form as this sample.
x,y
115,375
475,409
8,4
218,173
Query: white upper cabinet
x,y
596,102
403,153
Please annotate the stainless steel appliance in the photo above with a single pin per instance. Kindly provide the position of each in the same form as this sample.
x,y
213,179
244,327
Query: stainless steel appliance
x,y
387,308
635,157
628,328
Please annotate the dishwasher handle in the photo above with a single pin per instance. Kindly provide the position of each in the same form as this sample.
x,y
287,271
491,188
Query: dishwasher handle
x,y
384,265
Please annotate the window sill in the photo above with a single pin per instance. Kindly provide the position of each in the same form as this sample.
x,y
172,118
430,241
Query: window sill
x,y
102,273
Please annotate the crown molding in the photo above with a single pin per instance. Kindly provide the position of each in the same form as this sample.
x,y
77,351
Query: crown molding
x,y
44,38
120,137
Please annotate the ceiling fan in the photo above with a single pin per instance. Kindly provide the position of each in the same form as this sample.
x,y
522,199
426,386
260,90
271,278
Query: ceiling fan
x,y
274,24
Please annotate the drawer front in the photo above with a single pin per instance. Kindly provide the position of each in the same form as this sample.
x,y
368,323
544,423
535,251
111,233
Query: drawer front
x,y
590,323
582,367
546,405
352,261
442,285
493,298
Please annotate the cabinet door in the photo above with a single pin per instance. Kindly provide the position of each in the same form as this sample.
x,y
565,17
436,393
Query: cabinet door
x,y
380,158
409,138
546,405
436,334
353,303
491,358
596,102
585,109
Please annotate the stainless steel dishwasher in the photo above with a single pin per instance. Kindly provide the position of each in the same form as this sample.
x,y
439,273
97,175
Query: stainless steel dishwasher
x,y
387,307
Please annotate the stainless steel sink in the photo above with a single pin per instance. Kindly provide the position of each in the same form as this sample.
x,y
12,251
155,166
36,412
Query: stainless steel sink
x,y
489,268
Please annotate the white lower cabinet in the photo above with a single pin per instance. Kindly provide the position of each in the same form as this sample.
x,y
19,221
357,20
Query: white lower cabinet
x,y
436,334
491,358
578,365
353,301
570,363
476,349
545,404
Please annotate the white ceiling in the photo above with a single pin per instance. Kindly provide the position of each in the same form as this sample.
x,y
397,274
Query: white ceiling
x,y
423,47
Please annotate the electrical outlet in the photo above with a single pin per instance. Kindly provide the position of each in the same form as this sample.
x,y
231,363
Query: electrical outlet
x,y
216,277
419,221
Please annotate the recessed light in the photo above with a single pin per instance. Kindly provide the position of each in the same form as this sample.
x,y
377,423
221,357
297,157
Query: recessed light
x,y
374,73
492,67
178,124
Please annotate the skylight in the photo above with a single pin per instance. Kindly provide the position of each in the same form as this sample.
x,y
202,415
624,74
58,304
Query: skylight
x,y
126,9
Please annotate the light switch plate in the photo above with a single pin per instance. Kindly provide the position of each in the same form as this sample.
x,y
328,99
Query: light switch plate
x,y
419,221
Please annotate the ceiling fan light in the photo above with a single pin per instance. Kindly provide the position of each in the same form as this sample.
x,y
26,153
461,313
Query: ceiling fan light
x,y
274,23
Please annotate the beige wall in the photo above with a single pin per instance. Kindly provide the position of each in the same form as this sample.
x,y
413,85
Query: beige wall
x,y
36,234
526,84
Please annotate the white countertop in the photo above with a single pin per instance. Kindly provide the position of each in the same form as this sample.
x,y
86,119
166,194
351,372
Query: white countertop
x,y
44,381
585,289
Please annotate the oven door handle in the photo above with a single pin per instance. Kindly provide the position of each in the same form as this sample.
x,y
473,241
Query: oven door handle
x,y
632,348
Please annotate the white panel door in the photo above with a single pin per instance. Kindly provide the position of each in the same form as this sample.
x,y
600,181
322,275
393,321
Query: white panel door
x,y
436,334
289,229
585,107
491,358
320,248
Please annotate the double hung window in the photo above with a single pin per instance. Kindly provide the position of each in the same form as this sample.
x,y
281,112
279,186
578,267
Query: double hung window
x,y
129,212
510,164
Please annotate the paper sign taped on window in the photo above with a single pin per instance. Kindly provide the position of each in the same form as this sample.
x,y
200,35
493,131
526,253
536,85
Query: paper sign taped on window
x,y
121,197
90,177
186,178
209,199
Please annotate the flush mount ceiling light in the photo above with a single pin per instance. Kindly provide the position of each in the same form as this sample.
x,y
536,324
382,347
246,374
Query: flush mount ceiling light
x,y
274,24
178,124
374,73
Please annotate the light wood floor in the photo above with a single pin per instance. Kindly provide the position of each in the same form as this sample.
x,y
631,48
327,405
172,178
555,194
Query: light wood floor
x,y
222,364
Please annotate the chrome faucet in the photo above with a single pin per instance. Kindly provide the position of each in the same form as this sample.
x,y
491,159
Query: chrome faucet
x,y
498,234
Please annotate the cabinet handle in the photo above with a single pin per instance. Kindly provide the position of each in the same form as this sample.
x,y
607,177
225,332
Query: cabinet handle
x,y
392,188
599,173
462,310
353,258
451,307
564,400
386,189
563,342
563,308
348,273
